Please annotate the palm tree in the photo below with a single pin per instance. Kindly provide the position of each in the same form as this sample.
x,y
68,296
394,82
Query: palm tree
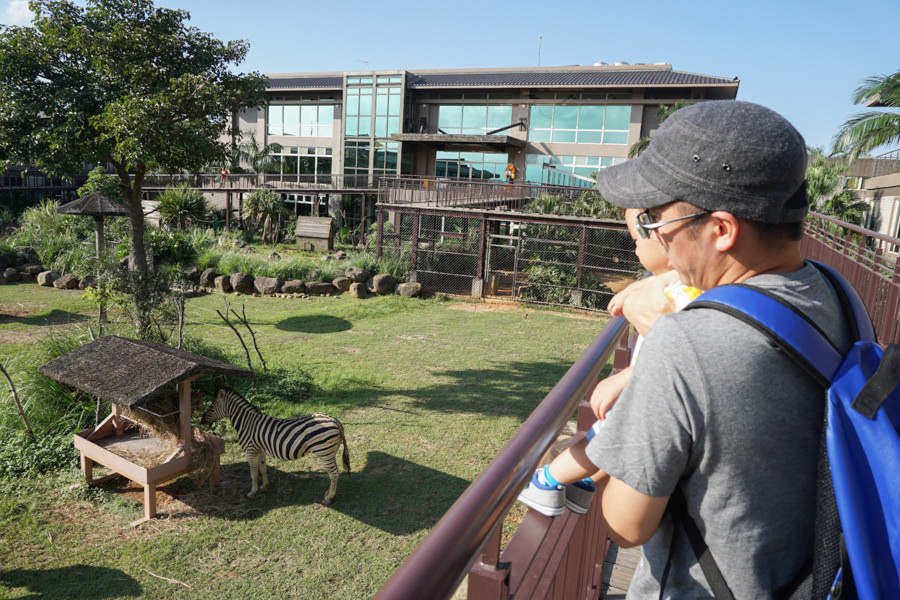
x,y
181,206
872,128
268,210
258,158
663,112
824,177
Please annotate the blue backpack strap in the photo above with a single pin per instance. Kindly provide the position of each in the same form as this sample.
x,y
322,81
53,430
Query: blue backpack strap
x,y
787,328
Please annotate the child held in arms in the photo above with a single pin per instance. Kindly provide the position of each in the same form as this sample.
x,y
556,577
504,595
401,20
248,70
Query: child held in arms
x,y
567,482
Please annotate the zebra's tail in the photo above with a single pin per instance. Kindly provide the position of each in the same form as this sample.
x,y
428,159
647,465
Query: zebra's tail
x,y
346,455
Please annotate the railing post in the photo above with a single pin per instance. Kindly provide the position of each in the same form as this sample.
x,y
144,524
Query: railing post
x,y
488,577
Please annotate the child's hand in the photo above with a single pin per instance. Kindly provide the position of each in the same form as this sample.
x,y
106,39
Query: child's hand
x,y
606,392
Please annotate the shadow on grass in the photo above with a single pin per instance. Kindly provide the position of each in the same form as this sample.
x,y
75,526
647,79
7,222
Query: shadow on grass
x,y
314,324
508,389
54,317
390,493
75,581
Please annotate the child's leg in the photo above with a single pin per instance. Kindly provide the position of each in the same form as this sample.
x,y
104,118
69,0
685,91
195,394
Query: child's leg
x,y
572,465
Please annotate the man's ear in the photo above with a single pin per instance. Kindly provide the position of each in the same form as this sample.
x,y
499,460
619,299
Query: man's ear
x,y
727,227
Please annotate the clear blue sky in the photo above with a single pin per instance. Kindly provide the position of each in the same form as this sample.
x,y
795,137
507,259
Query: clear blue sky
x,y
802,58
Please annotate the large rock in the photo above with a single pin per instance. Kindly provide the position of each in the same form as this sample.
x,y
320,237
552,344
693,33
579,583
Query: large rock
x,y
381,284
242,283
222,284
293,286
319,288
356,274
267,285
7,259
208,277
12,274
33,269
341,283
409,290
192,274
358,290
66,282
47,278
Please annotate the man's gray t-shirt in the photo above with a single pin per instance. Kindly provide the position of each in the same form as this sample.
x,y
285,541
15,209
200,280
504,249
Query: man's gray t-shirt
x,y
714,408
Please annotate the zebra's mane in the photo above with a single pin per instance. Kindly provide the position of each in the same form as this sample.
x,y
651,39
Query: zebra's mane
x,y
236,398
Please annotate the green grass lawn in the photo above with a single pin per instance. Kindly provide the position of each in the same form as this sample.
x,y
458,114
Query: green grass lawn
x,y
428,391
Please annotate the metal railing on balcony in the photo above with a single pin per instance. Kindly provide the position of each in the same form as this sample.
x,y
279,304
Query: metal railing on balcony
x,y
278,182
563,557
445,192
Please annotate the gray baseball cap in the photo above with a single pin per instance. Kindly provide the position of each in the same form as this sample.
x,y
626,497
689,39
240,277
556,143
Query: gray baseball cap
x,y
727,155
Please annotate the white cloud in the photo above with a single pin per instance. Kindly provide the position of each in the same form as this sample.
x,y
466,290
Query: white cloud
x,y
17,13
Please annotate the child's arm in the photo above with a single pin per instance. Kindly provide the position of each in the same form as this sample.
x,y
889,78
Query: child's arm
x,y
607,391
648,302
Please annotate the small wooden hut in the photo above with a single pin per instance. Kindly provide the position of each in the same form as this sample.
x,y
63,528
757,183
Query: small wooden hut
x,y
314,234
133,376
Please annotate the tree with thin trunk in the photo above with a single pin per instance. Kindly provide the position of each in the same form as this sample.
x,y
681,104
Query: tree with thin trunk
x,y
121,83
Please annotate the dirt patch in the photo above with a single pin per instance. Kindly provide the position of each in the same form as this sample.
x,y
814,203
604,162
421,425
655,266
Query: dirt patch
x,y
503,306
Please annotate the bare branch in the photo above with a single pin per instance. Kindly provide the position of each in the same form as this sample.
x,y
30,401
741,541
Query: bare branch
x,y
12,388
243,319
246,352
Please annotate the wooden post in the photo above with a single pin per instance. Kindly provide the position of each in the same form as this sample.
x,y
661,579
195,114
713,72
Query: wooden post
x,y
184,415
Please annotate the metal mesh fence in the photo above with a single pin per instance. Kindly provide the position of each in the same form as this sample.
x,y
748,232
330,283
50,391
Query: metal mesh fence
x,y
543,260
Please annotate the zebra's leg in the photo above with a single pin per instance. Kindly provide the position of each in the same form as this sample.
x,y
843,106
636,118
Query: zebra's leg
x,y
330,465
262,470
253,459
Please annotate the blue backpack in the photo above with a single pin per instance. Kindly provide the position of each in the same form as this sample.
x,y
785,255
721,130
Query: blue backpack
x,y
862,437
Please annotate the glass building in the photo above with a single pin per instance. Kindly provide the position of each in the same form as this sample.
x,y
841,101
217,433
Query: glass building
x,y
479,124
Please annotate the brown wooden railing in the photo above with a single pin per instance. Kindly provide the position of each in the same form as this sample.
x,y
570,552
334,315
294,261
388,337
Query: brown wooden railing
x,y
563,557
868,259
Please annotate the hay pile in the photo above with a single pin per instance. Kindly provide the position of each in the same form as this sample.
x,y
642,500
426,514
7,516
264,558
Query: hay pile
x,y
159,419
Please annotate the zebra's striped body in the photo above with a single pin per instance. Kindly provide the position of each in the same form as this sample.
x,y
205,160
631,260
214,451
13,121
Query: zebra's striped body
x,y
287,439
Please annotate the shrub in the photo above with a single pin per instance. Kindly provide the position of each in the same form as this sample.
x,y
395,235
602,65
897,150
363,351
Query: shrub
x,y
547,282
19,455
170,246
181,206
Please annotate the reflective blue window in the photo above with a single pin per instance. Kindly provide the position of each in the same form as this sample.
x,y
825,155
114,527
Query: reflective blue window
x,y
473,119
587,124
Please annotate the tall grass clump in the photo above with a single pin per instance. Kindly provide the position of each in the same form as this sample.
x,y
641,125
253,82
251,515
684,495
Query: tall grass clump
x,y
325,271
395,263
64,243
364,260
236,262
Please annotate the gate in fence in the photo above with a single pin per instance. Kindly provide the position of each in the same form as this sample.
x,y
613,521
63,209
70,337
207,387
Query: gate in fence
x,y
542,259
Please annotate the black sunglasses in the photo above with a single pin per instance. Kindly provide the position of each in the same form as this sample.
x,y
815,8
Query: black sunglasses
x,y
646,225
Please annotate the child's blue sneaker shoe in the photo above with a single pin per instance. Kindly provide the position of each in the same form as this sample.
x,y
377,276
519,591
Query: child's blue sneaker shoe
x,y
549,500
579,496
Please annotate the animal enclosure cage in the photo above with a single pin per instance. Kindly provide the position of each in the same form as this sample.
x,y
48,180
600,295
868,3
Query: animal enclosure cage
x,y
148,386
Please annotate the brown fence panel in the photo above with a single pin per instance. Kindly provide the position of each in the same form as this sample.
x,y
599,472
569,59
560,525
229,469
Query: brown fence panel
x,y
860,255
537,259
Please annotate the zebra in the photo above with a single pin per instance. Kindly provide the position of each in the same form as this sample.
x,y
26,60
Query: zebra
x,y
260,434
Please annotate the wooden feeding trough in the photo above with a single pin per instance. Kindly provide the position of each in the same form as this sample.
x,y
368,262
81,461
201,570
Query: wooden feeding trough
x,y
133,375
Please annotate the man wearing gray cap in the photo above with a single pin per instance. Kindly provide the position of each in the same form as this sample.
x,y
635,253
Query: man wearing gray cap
x,y
712,409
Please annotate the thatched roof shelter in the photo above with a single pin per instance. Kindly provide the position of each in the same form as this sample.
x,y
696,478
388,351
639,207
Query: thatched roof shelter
x,y
95,204
129,372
